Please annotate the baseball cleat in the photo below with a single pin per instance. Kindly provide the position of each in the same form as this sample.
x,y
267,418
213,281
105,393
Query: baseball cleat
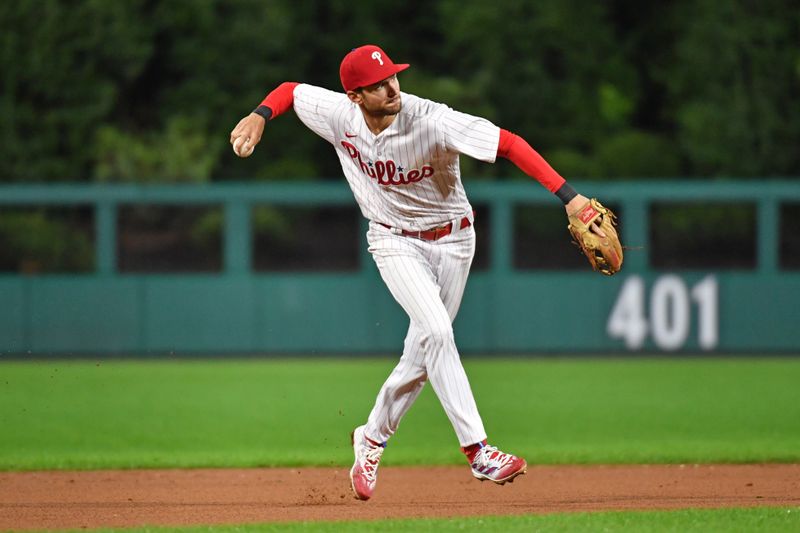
x,y
493,465
363,475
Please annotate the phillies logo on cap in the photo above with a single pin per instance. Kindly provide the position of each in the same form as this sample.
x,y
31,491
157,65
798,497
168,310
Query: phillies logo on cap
x,y
366,65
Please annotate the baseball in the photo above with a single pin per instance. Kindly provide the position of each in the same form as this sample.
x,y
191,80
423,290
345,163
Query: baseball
x,y
242,147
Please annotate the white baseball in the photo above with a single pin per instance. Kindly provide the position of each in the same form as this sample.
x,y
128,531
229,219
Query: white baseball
x,y
242,147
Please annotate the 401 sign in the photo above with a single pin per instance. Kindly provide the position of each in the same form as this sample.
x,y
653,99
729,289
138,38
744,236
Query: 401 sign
x,y
668,319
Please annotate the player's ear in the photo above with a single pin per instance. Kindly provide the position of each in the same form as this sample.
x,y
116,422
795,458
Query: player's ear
x,y
355,96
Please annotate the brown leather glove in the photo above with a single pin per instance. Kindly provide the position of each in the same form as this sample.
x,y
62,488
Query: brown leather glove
x,y
604,253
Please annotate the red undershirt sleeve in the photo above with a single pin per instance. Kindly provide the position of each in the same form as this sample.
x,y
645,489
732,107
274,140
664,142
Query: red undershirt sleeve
x,y
518,151
280,100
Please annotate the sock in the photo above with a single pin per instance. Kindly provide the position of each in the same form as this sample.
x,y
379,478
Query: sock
x,y
471,450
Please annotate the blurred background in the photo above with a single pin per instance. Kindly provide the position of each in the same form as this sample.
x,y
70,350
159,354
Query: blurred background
x,y
128,226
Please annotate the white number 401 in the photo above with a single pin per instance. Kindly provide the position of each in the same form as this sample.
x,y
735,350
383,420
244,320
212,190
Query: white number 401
x,y
670,313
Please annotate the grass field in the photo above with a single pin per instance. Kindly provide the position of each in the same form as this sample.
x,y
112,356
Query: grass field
x,y
688,521
126,414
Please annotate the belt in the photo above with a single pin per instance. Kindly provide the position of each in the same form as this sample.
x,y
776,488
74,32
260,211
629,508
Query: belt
x,y
433,234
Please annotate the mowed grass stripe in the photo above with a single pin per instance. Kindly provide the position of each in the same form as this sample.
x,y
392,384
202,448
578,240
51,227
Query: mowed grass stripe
x,y
157,413
774,520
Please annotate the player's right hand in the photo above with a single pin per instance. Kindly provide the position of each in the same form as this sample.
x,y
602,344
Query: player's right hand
x,y
247,134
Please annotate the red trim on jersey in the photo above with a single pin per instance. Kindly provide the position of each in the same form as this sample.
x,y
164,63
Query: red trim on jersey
x,y
281,99
518,151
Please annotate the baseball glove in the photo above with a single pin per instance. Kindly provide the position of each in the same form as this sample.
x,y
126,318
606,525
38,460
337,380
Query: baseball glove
x,y
604,253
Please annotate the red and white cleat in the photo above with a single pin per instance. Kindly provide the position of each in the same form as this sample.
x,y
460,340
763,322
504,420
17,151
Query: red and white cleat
x,y
364,473
494,465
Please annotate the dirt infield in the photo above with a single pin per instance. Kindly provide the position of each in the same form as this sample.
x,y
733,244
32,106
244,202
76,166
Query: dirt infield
x,y
191,497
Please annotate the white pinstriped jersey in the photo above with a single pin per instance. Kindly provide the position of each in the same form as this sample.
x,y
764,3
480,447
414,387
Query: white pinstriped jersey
x,y
408,175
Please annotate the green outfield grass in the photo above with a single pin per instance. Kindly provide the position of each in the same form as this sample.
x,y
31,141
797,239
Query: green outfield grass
x,y
693,520
59,414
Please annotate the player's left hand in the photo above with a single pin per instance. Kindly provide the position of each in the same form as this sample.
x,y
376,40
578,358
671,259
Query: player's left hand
x,y
575,205
592,226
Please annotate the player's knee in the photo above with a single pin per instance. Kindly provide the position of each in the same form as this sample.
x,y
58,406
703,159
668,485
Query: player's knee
x,y
440,335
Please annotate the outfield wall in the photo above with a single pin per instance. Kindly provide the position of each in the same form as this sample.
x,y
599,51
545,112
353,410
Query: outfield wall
x,y
505,309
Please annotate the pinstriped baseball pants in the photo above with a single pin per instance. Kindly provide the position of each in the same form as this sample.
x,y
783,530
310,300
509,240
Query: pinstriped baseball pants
x,y
427,279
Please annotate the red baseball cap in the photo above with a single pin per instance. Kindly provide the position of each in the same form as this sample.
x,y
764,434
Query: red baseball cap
x,y
366,65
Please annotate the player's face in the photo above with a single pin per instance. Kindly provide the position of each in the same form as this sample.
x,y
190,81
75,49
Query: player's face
x,y
382,98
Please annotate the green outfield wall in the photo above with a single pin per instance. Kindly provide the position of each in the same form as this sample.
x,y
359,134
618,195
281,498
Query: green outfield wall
x,y
505,310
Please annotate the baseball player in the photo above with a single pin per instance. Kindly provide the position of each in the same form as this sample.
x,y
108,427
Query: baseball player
x,y
400,155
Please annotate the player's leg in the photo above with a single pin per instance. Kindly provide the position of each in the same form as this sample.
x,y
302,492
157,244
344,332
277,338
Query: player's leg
x,y
428,282
451,259
452,266
396,395
399,391
406,266
408,378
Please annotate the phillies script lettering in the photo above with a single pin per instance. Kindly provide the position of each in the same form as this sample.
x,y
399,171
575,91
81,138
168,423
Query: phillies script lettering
x,y
387,173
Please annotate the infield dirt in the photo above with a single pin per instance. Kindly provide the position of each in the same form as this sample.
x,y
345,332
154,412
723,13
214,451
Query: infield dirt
x,y
117,498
